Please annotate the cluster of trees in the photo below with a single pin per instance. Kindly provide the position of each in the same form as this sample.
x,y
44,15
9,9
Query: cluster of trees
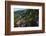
x,y
30,16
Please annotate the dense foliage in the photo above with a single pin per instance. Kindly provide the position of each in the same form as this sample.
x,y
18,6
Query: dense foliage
x,y
26,18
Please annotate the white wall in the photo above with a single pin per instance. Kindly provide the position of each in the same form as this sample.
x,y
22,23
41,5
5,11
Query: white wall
x,y
2,18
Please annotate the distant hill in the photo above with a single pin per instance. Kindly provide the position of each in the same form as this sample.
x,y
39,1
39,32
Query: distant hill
x,y
20,12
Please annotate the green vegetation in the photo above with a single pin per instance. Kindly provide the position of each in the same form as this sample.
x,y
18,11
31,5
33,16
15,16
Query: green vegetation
x,y
30,16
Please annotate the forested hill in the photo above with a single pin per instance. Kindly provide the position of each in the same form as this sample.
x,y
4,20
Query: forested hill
x,y
31,15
